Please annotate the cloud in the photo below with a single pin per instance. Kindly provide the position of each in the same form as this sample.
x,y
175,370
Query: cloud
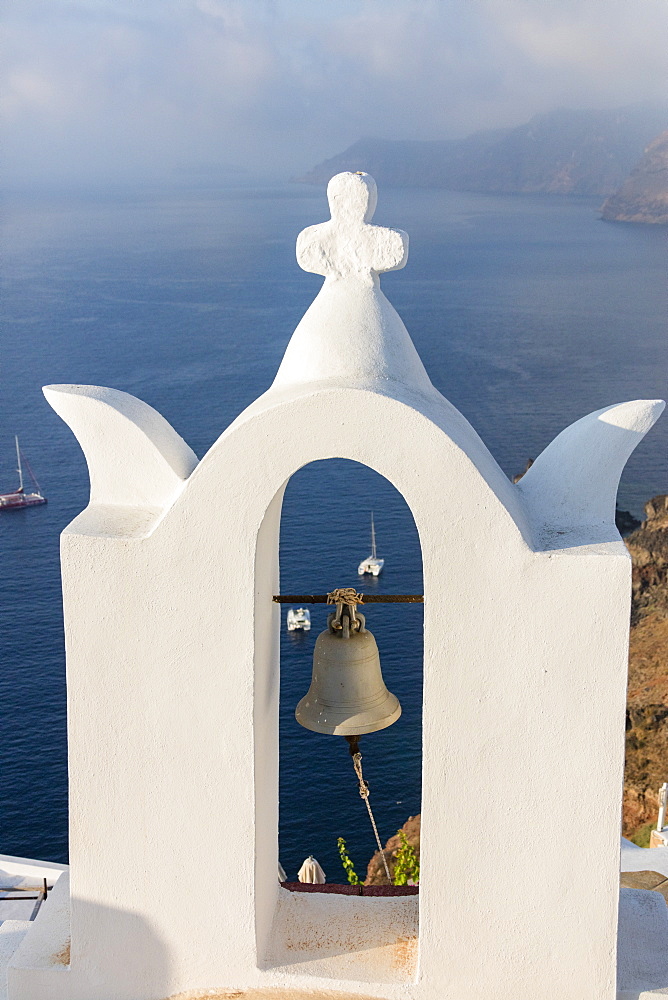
x,y
105,88
618,50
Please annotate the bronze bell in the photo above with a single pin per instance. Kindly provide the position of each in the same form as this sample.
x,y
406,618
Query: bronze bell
x,y
347,696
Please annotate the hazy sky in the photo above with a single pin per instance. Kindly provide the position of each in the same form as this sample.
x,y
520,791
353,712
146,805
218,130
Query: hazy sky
x,y
115,89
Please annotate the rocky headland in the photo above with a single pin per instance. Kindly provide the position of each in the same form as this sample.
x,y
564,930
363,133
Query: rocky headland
x,y
644,195
647,700
565,152
375,873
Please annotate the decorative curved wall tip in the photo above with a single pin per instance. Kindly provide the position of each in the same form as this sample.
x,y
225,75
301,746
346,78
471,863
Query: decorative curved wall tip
x,y
351,332
572,485
135,457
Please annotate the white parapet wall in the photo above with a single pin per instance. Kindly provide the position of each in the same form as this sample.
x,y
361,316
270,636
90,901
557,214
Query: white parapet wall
x,y
172,661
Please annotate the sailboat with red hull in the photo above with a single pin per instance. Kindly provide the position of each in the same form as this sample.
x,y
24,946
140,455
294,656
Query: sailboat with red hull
x,y
19,497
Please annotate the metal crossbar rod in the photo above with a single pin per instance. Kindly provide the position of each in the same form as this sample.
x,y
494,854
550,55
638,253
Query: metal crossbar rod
x,y
26,888
368,598
39,899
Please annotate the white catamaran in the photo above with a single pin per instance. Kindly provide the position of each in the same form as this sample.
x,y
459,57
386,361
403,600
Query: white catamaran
x,y
372,564
299,620
19,498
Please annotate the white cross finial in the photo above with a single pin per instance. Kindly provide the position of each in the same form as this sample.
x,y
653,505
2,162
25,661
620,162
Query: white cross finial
x,y
347,245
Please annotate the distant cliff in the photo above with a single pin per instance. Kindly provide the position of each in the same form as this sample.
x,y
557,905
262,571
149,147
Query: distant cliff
x,y
644,195
647,701
648,546
563,152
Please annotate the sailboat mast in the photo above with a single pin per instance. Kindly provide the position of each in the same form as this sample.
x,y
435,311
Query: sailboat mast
x,y
18,464
373,538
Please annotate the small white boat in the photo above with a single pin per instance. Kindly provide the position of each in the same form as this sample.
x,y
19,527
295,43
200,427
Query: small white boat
x,y
372,564
299,619
19,497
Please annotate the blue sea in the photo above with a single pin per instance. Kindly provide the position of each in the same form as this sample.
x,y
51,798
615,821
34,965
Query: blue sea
x,y
528,313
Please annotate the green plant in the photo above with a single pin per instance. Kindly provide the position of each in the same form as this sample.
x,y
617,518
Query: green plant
x,y
641,836
346,861
406,866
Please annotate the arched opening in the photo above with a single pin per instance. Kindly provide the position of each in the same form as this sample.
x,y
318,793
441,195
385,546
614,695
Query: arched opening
x,y
325,533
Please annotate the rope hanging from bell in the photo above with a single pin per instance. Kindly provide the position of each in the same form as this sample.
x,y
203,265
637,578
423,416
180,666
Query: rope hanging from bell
x,y
353,743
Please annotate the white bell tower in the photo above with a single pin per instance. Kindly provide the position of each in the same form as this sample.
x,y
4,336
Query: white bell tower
x,y
173,687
